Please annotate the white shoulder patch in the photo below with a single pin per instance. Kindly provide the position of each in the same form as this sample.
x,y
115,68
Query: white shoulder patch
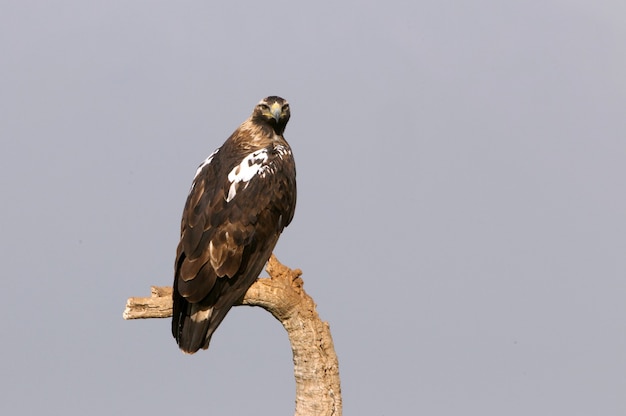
x,y
256,163
250,165
206,162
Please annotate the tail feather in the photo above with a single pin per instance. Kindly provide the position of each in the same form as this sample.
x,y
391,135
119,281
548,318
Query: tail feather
x,y
190,324
195,330
193,324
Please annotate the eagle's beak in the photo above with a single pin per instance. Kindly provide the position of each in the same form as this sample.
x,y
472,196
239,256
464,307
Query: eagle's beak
x,y
276,110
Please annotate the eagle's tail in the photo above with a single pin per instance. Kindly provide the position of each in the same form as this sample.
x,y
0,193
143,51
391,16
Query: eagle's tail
x,y
190,323
193,324
193,327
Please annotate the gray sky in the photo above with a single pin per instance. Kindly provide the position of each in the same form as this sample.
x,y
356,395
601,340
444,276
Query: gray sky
x,y
461,209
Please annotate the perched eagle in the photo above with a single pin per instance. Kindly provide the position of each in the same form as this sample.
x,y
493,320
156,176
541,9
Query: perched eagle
x,y
241,198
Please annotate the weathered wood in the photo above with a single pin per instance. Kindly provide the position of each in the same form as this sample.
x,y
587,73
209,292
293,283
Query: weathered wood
x,y
316,369
158,305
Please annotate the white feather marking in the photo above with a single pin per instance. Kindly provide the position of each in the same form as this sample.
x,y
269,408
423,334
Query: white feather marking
x,y
251,165
201,315
206,162
282,150
202,166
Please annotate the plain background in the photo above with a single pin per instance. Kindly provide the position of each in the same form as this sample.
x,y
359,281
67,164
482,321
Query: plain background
x,y
461,210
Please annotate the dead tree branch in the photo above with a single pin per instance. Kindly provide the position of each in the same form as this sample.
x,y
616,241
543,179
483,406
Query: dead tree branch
x,y
316,368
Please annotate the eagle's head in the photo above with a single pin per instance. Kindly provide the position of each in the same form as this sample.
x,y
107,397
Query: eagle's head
x,y
272,111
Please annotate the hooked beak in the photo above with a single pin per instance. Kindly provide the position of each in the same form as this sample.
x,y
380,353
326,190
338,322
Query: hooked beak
x,y
276,110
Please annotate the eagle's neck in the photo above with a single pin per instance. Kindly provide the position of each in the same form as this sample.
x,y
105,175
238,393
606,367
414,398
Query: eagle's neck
x,y
251,136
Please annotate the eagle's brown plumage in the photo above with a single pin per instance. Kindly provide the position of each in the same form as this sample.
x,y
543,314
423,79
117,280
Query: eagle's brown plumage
x,y
242,197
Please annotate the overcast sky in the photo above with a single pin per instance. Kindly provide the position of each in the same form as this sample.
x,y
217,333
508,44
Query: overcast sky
x,y
461,218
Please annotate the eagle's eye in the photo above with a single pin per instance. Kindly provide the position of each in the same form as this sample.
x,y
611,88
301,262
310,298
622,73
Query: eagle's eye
x,y
286,107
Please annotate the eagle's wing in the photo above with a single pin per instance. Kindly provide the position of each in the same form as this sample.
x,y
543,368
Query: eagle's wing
x,y
230,226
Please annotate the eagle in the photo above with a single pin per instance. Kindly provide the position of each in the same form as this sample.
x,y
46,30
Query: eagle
x,y
242,197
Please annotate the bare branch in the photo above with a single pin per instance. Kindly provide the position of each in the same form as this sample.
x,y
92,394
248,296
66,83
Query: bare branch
x,y
158,305
316,368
